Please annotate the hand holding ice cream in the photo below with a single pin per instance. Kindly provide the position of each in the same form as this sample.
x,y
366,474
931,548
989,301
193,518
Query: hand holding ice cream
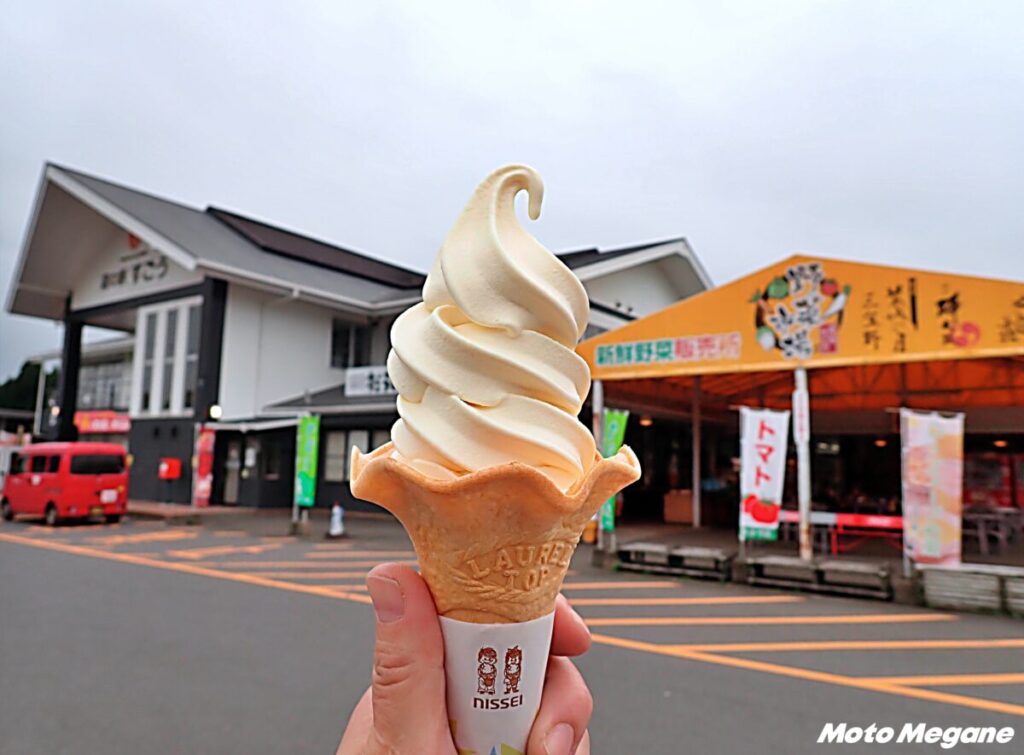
x,y
489,469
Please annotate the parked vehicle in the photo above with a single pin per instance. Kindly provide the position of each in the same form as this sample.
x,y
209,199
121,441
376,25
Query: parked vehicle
x,y
67,480
7,453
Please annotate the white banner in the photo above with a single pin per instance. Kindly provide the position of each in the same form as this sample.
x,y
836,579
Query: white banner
x,y
933,471
763,438
495,676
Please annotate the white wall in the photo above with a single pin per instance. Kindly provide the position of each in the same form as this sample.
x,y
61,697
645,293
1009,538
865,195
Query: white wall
x,y
274,349
120,272
645,288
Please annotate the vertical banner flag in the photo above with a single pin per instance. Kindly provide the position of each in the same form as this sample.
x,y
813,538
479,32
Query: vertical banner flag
x,y
763,437
202,466
933,464
307,444
614,434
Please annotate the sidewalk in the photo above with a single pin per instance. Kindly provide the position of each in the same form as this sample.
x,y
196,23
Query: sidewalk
x,y
874,551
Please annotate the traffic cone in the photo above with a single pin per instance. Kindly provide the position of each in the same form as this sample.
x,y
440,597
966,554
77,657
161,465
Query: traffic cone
x,y
337,528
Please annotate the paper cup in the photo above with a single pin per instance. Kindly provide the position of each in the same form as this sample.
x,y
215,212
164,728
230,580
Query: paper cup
x,y
495,677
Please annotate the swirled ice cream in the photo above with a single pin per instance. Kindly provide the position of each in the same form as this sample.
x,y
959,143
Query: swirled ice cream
x,y
484,366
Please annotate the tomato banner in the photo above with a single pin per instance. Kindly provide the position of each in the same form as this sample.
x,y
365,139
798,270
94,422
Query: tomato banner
x,y
763,439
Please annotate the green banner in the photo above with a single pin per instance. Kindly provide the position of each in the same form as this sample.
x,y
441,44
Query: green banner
x,y
614,425
307,444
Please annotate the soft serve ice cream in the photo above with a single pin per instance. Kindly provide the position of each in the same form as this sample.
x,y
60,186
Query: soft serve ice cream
x,y
485,366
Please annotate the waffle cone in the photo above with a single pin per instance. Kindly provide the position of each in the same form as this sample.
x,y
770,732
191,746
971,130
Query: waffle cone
x,y
493,545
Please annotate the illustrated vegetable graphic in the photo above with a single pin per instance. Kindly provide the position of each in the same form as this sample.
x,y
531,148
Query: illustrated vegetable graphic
x,y
760,510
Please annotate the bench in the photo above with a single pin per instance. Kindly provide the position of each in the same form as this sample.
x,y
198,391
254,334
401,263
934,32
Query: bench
x,y
840,577
974,587
685,560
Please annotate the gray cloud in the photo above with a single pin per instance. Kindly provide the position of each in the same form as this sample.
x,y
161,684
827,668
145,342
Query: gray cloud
x,y
876,131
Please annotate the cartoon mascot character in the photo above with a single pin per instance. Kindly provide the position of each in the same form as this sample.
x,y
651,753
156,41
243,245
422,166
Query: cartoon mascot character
x,y
513,669
486,670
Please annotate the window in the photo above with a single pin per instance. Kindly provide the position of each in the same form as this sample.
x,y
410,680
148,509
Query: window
x,y
380,437
104,385
92,464
17,464
357,439
149,338
336,456
166,359
350,344
191,357
53,464
272,462
38,464
170,338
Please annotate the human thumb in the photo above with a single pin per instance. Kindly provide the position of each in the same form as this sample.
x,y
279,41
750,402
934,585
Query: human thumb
x,y
408,665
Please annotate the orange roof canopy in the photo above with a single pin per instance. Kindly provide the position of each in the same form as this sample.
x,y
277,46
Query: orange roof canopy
x,y
874,336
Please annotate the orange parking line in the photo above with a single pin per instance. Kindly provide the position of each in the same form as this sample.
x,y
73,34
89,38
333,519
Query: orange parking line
x,y
312,566
653,584
815,676
128,558
665,621
304,574
836,645
361,554
948,680
704,601
157,536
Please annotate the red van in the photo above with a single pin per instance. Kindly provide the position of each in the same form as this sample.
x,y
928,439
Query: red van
x,y
67,480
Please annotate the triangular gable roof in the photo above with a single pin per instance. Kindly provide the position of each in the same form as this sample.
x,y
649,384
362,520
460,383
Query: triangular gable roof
x,y
817,312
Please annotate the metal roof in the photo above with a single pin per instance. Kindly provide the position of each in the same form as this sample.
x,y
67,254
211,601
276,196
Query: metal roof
x,y
227,245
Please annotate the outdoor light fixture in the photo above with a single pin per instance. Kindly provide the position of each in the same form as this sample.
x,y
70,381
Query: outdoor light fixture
x,y
646,421
1000,443
881,442
215,411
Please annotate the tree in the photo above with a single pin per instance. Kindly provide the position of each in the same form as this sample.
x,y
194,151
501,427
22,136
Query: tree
x,y
20,392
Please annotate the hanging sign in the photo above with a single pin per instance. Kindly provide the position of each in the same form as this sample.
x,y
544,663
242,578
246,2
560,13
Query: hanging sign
x,y
763,437
368,381
307,446
933,463
614,434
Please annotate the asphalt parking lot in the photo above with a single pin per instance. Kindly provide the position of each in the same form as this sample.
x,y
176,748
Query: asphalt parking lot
x,y
233,637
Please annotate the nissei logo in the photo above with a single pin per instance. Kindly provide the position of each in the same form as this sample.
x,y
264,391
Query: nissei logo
x,y
497,703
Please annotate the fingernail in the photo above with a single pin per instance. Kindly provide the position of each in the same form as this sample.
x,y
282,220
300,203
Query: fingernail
x,y
559,740
388,601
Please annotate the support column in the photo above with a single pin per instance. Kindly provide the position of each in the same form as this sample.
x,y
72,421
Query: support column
x,y
211,339
802,439
695,430
37,423
597,425
71,361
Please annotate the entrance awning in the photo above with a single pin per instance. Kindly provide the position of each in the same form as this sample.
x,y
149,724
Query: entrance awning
x,y
872,337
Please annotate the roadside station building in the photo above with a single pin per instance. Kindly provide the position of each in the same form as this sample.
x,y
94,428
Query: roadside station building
x,y
870,338
241,327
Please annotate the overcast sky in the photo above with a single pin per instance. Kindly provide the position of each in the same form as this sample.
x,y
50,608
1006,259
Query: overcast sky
x,y
885,132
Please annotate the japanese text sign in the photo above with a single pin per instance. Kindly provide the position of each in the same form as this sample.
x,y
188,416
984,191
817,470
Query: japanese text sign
x,y
763,439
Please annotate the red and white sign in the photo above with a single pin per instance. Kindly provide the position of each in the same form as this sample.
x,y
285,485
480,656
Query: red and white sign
x,y
763,438
202,466
102,421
